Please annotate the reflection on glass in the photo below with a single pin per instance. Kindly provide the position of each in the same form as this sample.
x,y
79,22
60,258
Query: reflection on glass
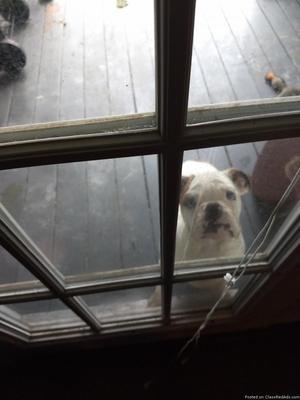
x,y
41,314
79,59
227,197
125,305
236,45
202,295
11,271
89,217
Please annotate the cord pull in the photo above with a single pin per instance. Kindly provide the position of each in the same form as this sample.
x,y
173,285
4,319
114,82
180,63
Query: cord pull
x,y
229,279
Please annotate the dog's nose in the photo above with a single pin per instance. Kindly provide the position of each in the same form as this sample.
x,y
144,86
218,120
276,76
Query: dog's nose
x,y
213,211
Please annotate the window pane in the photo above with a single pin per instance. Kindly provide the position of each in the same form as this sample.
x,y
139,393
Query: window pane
x,y
41,314
202,295
90,218
11,271
124,305
227,197
236,44
85,59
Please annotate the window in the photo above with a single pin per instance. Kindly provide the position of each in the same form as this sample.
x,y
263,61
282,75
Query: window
x,y
90,187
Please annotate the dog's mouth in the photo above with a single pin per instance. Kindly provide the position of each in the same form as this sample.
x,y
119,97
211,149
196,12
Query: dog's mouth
x,y
214,228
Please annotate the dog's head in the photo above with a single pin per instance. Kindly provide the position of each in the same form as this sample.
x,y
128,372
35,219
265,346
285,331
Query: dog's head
x,y
210,200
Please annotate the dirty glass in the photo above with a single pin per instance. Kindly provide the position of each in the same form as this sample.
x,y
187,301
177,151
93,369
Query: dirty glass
x,y
125,305
244,51
74,59
93,220
41,314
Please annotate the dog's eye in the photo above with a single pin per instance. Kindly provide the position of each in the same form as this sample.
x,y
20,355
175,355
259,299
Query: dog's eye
x,y
230,195
190,201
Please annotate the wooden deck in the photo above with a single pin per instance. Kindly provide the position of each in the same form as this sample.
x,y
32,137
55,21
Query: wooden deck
x,y
89,58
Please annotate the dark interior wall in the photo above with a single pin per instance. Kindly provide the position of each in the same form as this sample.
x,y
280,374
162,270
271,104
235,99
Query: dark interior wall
x,y
228,366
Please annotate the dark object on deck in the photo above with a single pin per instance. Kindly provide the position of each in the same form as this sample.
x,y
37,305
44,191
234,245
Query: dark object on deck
x,y
16,10
12,57
280,86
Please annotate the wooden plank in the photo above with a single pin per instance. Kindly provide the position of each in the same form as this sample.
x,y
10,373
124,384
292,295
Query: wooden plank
x,y
13,190
70,240
137,241
11,269
190,155
291,9
235,67
285,33
104,242
49,79
7,84
72,67
22,108
150,166
6,89
119,80
140,56
38,213
96,84
253,54
268,39
243,156
219,90
198,93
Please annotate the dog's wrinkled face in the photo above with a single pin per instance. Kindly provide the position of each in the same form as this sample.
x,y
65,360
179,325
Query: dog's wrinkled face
x,y
210,202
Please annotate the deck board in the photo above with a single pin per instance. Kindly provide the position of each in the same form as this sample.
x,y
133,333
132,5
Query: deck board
x,y
104,239
38,209
70,250
47,106
235,67
22,109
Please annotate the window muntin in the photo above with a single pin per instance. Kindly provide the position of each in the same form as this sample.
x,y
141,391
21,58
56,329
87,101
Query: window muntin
x,y
90,218
235,46
84,60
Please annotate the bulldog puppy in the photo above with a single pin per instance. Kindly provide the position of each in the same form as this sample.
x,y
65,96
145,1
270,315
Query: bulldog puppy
x,y
208,218
210,206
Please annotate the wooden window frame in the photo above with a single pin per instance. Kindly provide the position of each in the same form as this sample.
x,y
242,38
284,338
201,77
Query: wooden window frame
x,y
165,133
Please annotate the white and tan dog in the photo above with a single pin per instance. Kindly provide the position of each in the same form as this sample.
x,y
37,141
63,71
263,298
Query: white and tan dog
x,y
210,206
208,218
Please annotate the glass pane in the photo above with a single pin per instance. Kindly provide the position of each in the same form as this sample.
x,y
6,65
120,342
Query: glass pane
x,y
11,271
99,219
125,305
41,314
240,48
202,295
84,59
228,196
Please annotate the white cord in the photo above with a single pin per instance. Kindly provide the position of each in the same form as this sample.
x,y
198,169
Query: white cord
x,y
241,268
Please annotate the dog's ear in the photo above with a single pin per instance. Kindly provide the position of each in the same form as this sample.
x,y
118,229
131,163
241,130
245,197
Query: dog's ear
x,y
185,184
239,178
